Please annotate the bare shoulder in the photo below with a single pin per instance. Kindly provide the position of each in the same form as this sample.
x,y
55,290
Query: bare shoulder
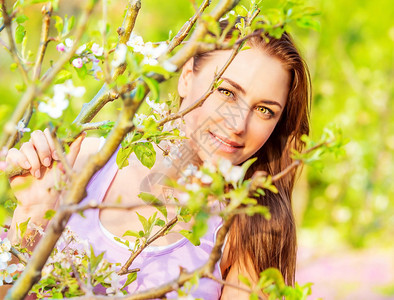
x,y
90,145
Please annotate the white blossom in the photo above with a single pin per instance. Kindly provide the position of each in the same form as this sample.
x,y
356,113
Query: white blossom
x,y
97,50
55,106
120,55
160,108
170,67
190,170
69,44
139,119
136,42
183,198
21,127
224,166
194,187
206,179
152,53
235,174
80,49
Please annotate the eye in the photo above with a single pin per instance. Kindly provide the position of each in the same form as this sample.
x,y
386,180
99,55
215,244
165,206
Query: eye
x,y
226,92
265,111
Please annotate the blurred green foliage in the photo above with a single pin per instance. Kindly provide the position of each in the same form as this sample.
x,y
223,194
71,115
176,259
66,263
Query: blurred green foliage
x,y
350,200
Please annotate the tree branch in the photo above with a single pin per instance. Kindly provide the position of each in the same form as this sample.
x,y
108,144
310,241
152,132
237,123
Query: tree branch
x,y
75,194
160,233
33,89
184,31
13,50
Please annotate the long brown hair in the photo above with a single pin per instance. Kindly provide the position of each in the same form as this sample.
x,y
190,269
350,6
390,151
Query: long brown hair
x,y
253,239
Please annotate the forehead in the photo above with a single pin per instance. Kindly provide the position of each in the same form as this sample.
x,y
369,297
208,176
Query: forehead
x,y
262,76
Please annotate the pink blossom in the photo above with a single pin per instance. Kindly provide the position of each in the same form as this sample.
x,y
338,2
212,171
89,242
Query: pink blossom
x,y
78,63
60,47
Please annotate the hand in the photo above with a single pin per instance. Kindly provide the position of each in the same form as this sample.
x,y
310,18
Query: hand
x,y
38,190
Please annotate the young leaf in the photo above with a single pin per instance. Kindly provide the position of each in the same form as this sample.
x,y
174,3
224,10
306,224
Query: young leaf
x,y
122,158
244,280
131,233
188,234
49,214
144,222
20,33
94,260
153,86
130,278
23,227
145,153
62,76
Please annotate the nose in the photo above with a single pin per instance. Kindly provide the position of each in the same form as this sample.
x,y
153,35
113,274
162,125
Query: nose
x,y
235,118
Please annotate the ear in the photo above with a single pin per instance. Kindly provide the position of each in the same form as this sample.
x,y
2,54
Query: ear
x,y
185,80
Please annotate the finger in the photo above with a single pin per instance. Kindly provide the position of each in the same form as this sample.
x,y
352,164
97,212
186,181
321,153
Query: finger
x,y
16,157
51,144
31,154
75,147
40,143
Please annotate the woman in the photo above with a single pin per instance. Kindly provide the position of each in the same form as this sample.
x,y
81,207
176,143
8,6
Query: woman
x,y
259,110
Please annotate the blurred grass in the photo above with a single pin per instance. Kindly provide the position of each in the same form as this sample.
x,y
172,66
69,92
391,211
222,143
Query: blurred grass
x,y
350,201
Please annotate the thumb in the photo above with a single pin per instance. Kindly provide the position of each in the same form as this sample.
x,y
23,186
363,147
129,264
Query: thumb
x,y
75,147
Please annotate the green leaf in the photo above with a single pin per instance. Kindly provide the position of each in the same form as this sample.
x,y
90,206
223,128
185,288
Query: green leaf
x,y
82,72
160,222
130,278
153,87
21,19
308,22
145,153
69,24
131,233
62,76
147,69
188,234
152,200
122,158
49,214
253,296
94,260
58,25
144,222
244,280
241,10
20,33
23,227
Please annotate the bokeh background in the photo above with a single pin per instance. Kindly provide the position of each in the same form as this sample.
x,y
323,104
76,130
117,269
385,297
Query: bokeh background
x,y
344,208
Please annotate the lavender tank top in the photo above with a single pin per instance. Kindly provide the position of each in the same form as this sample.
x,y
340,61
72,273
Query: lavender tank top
x,y
157,266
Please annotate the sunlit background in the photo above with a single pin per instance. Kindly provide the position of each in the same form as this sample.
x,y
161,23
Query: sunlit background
x,y
345,206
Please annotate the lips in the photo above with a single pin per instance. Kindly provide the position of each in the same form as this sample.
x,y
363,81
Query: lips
x,y
226,141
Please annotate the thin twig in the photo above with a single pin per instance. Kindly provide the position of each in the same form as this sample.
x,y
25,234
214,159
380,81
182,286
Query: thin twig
x,y
60,152
13,50
47,12
80,283
18,255
35,89
236,286
184,31
94,125
160,233
298,162
210,90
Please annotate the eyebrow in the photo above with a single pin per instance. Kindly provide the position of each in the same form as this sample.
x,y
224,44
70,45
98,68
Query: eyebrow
x,y
242,90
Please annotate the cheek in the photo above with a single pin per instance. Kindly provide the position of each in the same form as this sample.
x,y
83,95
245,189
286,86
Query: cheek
x,y
260,135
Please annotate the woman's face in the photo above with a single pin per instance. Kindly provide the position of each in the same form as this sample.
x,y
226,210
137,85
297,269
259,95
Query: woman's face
x,y
238,118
